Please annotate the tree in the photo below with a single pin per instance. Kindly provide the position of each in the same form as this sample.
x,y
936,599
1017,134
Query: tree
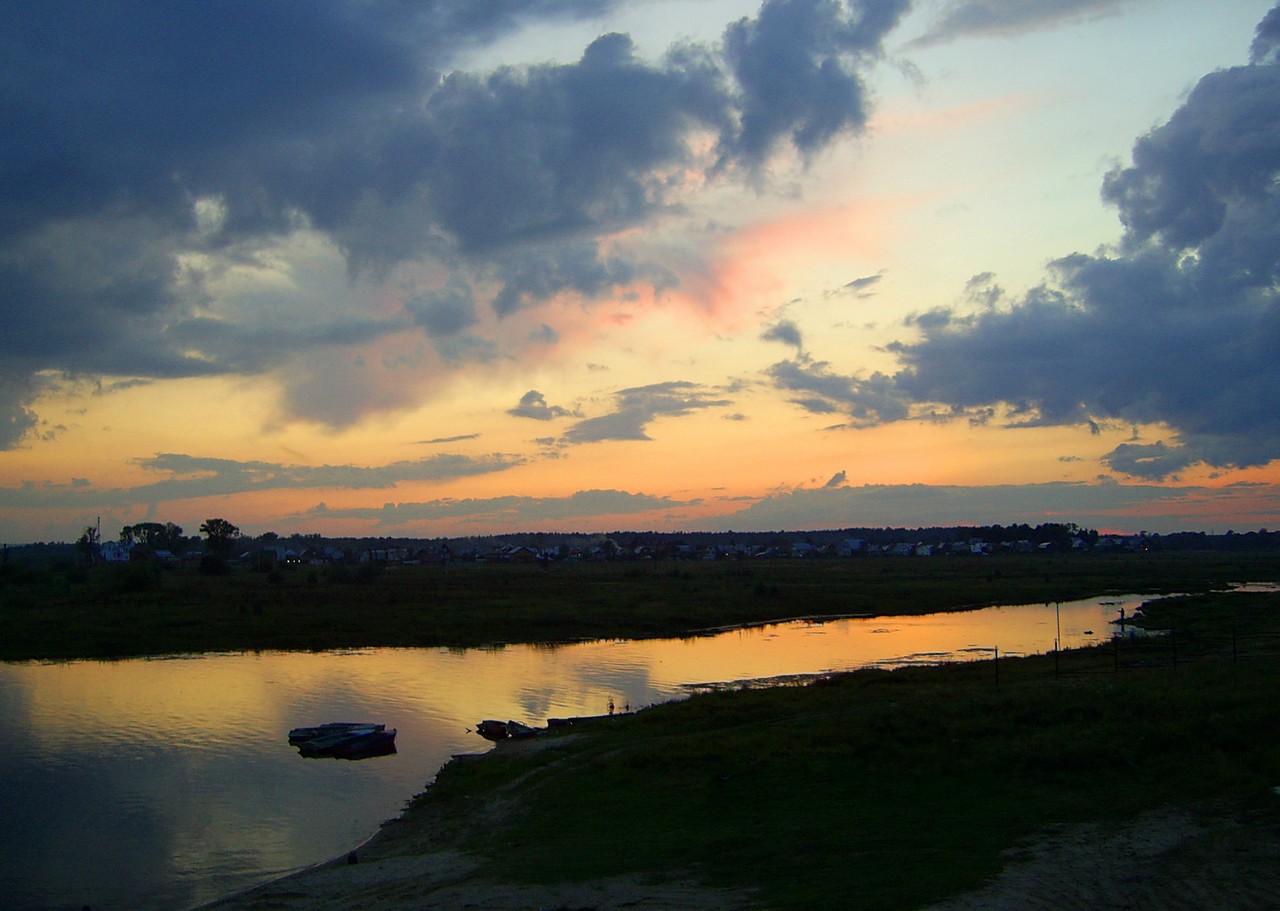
x,y
88,543
220,535
155,535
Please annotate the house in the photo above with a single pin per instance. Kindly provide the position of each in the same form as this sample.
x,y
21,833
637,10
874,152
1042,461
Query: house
x,y
115,551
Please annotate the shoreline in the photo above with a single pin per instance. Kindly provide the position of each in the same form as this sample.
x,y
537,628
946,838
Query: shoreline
x,y
412,863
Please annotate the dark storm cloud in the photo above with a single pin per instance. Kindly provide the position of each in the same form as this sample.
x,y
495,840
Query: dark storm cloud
x,y
445,312
638,407
796,68
530,276
192,476
961,18
16,418
1266,39
118,120
1179,326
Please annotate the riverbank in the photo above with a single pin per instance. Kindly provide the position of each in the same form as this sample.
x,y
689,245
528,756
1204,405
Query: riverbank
x,y
1067,786
135,610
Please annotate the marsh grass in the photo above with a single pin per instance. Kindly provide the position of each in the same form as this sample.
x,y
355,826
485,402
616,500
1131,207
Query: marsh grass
x,y
113,611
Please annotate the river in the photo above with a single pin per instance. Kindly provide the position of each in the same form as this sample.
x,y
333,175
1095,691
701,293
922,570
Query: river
x,y
161,784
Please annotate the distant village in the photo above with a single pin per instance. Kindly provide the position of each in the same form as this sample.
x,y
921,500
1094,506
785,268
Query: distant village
x,y
167,543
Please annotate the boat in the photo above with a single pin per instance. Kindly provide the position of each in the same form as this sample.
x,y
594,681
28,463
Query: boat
x,y
501,730
298,735
492,730
518,730
345,740
377,743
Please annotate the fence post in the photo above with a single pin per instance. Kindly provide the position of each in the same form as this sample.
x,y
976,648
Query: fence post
x,y
997,663
1115,652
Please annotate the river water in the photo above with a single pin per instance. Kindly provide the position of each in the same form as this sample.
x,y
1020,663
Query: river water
x,y
161,784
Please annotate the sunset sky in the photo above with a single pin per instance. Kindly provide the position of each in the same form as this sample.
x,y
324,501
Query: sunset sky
x,y
447,267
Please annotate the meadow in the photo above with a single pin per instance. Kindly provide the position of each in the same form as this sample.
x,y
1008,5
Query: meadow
x,y
140,609
871,790
891,790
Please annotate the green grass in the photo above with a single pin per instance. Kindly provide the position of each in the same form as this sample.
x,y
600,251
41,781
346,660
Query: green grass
x,y
119,611
874,790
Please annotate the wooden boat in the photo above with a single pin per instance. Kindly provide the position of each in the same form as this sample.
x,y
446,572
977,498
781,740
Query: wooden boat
x,y
298,735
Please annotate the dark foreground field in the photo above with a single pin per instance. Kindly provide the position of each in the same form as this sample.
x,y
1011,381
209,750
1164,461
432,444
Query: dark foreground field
x,y
138,609
1106,779
1085,784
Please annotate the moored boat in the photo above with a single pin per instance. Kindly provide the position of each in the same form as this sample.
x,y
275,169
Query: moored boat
x,y
346,740
298,735
493,730
518,730
377,743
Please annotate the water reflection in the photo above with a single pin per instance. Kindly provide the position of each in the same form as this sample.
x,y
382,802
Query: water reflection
x,y
161,784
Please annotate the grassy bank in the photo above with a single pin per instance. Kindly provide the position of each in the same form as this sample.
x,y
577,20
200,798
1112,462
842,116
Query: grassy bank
x,y
136,609
883,790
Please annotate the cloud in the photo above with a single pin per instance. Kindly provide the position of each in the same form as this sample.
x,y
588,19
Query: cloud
x,y
454,439
446,312
863,287
16,417
149,150
1266,40
638,407
786,332
511,511
866,401
1111,506
188,477
796,68
533,404
964,18
1177,326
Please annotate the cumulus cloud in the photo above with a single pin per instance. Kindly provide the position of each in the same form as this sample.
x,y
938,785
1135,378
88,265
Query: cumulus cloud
x,y
147,146
638,407
963,18
1177,326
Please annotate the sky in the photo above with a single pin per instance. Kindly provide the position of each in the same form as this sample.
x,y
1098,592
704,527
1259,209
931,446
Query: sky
x,y
450,267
